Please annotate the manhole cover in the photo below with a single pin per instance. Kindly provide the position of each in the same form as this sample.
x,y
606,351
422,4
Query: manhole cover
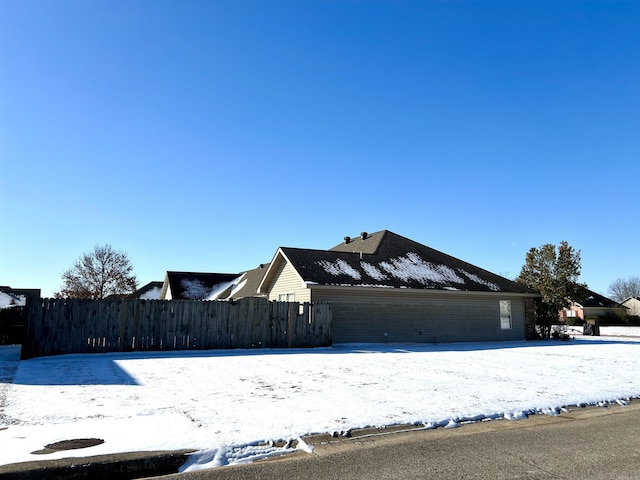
x,y
69,445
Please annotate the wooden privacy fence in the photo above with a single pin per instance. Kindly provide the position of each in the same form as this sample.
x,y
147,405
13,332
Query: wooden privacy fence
x,y
62,326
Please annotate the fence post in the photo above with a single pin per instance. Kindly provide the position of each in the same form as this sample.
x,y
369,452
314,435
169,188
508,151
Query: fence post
x,y
31,312
290,323
123,328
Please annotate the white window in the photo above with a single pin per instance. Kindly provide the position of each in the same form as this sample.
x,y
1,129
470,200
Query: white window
x,y
287,297
505,314
571,313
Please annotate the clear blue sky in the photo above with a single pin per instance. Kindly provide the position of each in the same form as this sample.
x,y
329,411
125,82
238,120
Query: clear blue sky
x,y
202,135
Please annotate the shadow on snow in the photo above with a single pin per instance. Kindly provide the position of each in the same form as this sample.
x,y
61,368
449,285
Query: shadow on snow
x,y
104,369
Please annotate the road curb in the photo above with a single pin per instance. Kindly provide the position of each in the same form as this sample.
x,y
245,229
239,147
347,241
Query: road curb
x,y
126,466
327,444
136,465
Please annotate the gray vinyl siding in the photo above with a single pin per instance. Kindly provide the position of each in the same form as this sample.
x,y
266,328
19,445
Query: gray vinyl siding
x,y
400,316
288,281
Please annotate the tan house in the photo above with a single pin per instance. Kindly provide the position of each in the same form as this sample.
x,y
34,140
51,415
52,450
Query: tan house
x,y
633,304
387,288
593,305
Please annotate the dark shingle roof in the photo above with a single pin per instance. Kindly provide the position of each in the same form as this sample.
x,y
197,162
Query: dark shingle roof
x,y
595,300
385,259
148,288
197,286
25,292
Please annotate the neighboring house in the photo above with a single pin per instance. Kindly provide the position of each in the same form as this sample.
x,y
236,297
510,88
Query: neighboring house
x,y
247,284
151,291
388,288
10,297
212,286
633,304
592,305
198,286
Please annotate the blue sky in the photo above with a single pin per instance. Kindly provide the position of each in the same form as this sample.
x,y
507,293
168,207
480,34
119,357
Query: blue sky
x,y
202,135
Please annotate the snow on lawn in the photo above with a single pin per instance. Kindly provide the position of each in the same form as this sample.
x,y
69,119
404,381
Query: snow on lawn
x,y
229,404
620,331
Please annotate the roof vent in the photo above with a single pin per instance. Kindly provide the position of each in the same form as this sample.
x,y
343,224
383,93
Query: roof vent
x,y
347,240
364,235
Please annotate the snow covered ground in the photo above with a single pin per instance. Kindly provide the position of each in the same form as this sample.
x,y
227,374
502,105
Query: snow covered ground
x,y
229,405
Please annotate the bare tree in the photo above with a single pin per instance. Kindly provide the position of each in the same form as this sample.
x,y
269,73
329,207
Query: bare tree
x,y
99,274
621,289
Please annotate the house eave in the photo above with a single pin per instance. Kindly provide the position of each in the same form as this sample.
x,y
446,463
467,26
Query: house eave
x,y
424,291
269,273
279,257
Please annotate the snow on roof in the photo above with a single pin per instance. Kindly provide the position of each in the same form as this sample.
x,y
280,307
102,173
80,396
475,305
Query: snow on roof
x,y
339,267
481,281
373,271
8,300
237,287
197,285
194,289
153,293
410,267
218,291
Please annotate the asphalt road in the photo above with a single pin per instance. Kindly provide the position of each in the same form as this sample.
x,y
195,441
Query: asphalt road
x,y
589,443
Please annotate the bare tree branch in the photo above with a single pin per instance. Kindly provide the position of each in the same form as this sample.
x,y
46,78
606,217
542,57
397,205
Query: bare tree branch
x,y
621,289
